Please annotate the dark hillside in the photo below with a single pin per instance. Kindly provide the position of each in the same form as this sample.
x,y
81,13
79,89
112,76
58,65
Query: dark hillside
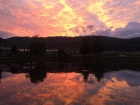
x,y
110,43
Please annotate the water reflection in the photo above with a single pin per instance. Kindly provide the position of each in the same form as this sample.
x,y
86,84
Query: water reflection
x,y
57,83
85,75
37,72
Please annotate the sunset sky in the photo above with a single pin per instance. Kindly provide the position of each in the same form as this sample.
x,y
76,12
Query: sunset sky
x,y
116,18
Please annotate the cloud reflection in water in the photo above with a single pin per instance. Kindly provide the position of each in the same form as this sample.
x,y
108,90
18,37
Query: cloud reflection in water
x,y
115,88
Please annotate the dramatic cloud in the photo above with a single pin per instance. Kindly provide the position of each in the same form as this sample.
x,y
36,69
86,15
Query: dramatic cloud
x,y
66,17
5,34
106,32
131,30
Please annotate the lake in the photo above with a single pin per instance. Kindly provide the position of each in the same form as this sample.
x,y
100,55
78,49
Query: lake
x,y
70,83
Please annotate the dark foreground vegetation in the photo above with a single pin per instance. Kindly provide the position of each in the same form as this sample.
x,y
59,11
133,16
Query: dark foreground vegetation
x,y
64,48
110,43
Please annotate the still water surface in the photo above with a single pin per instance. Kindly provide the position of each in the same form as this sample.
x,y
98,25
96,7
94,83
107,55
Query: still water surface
x,y
26,85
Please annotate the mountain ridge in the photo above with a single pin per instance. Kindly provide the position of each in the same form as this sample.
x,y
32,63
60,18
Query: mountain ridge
x,y
110,43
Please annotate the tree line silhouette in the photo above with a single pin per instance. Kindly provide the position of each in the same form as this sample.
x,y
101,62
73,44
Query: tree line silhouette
x,y
89,44
97,47
110,43
37,71
37,46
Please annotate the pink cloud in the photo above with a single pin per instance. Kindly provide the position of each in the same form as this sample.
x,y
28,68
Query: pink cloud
x,y
58,17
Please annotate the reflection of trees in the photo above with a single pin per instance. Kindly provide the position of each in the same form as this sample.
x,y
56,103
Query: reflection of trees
x,y
38,74
85,67
85,74
97,68
99,75
99,71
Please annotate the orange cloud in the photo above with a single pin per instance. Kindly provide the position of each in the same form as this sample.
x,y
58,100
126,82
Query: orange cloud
x,y
65,17
116,13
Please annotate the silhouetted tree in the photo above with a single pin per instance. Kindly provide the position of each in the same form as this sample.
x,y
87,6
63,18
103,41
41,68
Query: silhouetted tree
x,y
14,50
37,46
98,46
85,47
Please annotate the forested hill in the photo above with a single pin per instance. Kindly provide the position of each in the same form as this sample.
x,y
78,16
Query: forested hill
x,y
109,43
2,41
